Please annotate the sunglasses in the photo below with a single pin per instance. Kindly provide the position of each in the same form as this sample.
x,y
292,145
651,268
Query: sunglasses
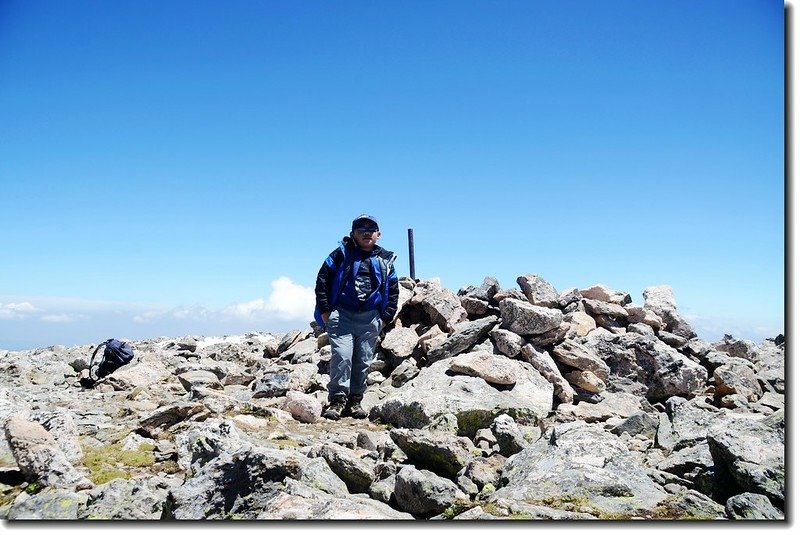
x,y
364,230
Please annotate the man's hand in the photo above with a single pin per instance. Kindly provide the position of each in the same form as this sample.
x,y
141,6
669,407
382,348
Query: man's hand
x,y
325,316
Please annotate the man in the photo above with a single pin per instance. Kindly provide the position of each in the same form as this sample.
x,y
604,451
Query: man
x,y
357,295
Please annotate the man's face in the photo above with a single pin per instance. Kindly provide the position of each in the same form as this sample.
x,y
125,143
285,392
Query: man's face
x,y
366,235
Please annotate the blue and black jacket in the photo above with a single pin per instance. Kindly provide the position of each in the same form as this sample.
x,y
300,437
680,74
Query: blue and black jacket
x,y
336,281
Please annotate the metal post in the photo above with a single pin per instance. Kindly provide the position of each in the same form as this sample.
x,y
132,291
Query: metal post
x,y
411,252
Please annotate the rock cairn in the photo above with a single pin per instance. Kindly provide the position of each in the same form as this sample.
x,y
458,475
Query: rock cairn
x,y
488,403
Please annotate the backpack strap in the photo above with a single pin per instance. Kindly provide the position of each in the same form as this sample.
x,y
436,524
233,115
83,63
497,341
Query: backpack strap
x,y
386,270
91,361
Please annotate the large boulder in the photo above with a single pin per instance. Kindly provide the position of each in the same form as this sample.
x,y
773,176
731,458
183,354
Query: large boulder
x,y
751,449
439,452
299,500
423,493
661,370
538,291
524,318
233,484
464,336
474,402
39,457
581,462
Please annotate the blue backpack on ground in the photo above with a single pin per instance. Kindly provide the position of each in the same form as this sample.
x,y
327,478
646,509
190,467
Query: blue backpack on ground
x,y
115,355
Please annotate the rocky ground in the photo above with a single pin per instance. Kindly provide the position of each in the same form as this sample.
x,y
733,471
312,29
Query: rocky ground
x,y
486,404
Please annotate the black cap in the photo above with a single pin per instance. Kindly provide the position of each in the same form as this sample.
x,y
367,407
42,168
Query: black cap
x,y
364,217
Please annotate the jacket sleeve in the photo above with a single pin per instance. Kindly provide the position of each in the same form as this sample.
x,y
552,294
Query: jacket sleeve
x,y
394,294
324,280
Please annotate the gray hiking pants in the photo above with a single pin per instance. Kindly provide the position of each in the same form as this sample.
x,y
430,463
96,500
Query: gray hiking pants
x,y
353,337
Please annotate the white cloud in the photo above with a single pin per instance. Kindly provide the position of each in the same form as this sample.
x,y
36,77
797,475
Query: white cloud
x,y
63,318
286,302
290,301
149,316
248,310
10,311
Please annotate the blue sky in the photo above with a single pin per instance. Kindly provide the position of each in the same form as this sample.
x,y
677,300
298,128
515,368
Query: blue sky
x,y
178,167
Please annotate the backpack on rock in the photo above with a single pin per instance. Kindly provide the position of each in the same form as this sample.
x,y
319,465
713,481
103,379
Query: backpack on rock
x,y
115,355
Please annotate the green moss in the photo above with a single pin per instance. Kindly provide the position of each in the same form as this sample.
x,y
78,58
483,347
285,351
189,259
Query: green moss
x,y
456,509
168,467
286,442
33,488
135,392
492,509
470,421
112,462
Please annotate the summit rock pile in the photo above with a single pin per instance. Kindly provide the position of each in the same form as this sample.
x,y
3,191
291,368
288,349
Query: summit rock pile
x,y
488,403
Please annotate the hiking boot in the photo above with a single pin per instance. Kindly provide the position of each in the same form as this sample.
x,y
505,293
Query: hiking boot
x,y
354,407
335,409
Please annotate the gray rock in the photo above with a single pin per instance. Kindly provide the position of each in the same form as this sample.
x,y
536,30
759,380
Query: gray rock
x,y
569,297
38,456
400,342
734,378
693,505
127,499
584,461
297,350
751,449
550,338
423,493
302,407
601,292
510,438
61,426
640,328
474,306
494,369
403,373
442,305
473,401
464,336
672,340
661,301
441,453
611,405
485,470
538,291
507,342
581,357
195,378
662,370
524,318
750,506
688,462
600,308
49,504
300,501
735,347
544,364
316,473
487,290
356,473
233,484
166,417
383,490
640,423
271,385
